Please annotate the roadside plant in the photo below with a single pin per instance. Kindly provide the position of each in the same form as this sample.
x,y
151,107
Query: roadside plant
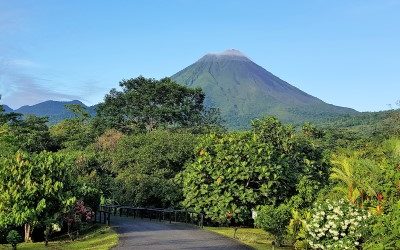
x,y
297,229
274,220
74,218
13,238
51,226
337,225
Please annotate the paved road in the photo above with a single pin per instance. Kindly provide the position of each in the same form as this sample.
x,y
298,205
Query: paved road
x,y
145,234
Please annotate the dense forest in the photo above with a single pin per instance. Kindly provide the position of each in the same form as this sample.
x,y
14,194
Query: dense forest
x,y
155,144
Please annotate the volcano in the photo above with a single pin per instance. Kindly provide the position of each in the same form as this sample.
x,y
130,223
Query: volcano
x,y
243,91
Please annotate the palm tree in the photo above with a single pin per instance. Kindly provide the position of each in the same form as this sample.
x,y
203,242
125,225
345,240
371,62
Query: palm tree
x,y
343,172
350,172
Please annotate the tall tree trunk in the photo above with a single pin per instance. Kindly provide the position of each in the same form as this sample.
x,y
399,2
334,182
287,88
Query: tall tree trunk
x,y
27,229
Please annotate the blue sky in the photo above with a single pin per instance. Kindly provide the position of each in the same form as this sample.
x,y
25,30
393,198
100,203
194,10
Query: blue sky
x,y
344,52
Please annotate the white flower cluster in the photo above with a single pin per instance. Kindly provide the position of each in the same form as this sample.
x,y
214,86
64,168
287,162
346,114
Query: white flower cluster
x,y
336,225
56,227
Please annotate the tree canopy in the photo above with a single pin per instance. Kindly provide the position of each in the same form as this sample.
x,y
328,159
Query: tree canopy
x,y
234,173
147,103
33,188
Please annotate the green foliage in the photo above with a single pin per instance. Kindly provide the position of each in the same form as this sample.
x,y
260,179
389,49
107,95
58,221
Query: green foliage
x,y
297,229
13,238
274,220
34,187
73,134
98,237
8,143
32,134
357,178
92,180
148,103
145,166
369,177
385,230
235,172
370,126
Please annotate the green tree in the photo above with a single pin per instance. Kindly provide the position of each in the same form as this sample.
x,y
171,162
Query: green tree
x,y
146,164
8,117
34,188
74,133
8,142
235,172
146,103
357,178
32,134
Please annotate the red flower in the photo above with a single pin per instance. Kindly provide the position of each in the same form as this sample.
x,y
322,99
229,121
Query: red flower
x,y
379,197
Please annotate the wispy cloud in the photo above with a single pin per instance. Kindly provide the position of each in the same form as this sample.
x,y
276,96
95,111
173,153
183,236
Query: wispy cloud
x,y
18,88
18,85
25,81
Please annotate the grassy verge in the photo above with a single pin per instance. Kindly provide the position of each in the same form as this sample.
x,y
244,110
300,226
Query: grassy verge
x,y
102,238
253,237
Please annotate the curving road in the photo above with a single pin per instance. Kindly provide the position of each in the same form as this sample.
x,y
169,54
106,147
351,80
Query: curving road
x,y
145,234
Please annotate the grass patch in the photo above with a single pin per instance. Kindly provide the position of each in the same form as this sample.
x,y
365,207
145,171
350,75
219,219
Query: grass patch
x,y
253,237
101,238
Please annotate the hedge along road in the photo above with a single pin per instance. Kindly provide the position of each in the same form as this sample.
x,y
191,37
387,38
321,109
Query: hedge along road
x,y
146,234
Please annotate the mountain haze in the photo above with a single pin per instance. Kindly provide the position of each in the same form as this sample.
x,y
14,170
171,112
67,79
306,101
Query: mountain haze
x,y
243,90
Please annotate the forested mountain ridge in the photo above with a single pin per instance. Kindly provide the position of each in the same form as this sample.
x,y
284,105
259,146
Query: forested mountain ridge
x,y
243,90
7,109
56,111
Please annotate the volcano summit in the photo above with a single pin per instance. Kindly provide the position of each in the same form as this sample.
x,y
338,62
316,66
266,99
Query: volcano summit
x,y
243,90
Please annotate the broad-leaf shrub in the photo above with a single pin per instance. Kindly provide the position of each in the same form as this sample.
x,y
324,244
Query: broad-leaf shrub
x,y
274,220
337,225
236,172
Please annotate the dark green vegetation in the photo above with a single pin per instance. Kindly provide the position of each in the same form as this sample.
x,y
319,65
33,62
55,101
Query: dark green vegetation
x,y
99,238
243,91
155,144
147,104
383,125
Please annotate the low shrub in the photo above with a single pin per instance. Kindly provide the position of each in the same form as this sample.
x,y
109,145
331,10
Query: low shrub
x,y
13,238
274,220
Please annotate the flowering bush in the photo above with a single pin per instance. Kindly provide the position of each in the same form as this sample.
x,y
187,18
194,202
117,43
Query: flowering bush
x,y
76,216
337,225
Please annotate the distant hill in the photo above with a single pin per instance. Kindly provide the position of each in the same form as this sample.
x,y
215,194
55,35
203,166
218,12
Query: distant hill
x,y
367,124
54,110
243,90
7,109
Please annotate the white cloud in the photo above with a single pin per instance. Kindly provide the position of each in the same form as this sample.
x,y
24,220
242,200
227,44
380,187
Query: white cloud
x,y
18,88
